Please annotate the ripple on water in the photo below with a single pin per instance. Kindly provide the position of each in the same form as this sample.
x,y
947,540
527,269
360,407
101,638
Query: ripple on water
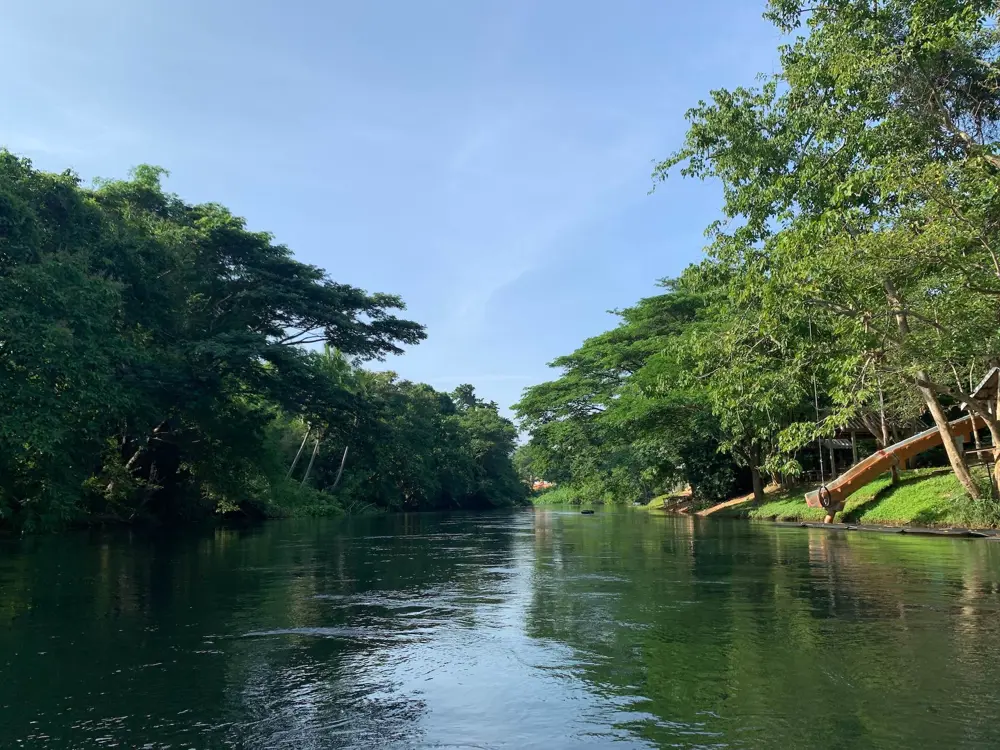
x,y
521,630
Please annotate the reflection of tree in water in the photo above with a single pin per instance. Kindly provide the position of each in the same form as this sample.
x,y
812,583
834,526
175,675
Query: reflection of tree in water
x,y
767,637
277,636
324,692
331,676
367,632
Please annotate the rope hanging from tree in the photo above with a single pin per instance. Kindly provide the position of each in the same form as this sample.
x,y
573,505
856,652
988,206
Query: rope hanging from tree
x,y
819,440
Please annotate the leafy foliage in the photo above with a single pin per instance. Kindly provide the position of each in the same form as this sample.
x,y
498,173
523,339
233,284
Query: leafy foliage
x,y
153,352
854,276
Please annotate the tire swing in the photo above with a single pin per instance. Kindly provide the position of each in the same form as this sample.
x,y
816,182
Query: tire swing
x,y
825,498
828,503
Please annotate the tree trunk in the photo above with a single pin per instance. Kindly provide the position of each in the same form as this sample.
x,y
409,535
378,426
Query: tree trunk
x,y
758,485
987,412
884,427
753,461
312,460
295,461
955,457
139,452
340,471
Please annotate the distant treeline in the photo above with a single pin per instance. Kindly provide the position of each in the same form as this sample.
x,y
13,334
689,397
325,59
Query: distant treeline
x,y
852,279
159,361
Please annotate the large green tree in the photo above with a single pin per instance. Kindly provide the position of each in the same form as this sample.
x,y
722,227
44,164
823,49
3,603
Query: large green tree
x,y
625,420
155,356
860,191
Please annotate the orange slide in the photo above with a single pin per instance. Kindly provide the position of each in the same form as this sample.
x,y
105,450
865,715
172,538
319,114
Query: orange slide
x,y
834,494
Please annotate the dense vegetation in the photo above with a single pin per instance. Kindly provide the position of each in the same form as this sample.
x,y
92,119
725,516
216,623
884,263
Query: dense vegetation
x,y
158,360
853,277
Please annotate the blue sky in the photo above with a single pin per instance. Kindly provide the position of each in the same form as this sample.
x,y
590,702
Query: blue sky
x,y
488,161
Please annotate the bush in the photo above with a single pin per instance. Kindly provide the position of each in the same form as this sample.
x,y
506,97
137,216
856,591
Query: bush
x,y
562,494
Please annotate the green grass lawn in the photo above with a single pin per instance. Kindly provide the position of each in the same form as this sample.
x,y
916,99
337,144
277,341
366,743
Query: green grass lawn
x,y
926,497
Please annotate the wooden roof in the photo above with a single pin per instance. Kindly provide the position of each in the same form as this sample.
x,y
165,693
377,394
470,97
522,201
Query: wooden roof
x,y
987,388
987,391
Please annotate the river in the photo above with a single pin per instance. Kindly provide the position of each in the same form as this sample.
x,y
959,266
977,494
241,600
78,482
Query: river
x,y
534,628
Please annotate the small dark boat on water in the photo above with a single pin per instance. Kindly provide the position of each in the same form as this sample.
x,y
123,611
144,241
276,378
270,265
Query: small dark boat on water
x,y
587,512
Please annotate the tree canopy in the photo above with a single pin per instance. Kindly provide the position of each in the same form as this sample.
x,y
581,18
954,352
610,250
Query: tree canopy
x,y
853,276
157,356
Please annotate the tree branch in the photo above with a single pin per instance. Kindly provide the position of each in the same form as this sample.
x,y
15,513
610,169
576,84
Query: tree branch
x,y
971,403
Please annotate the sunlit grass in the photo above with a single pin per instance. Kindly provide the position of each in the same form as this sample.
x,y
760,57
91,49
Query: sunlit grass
x,y
661,502
560,495
928,501
925,497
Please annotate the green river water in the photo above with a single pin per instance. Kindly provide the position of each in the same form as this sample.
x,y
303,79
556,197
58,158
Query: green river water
x,y
533,628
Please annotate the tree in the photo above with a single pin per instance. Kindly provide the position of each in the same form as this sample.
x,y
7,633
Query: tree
x,y
155,358
860,185
624,421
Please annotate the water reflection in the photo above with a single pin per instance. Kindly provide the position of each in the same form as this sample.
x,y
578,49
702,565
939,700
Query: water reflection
x,y
531,629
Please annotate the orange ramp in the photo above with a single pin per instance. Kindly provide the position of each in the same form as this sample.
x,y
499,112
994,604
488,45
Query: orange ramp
x,y
834,494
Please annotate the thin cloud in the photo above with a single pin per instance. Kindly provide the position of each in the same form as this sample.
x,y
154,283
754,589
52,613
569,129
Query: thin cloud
x,y
513,231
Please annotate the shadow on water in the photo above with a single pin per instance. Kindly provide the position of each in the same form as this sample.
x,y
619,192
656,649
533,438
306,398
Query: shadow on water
x,y
525,629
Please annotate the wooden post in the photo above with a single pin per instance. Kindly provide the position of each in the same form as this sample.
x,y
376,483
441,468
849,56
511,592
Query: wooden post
x,y
995,474
854,445
758,485
833,462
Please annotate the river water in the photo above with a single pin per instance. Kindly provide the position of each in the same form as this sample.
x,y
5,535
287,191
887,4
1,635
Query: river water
x,y
533,628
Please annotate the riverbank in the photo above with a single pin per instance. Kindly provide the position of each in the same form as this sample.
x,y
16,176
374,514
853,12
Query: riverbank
x,y
930,498
925,497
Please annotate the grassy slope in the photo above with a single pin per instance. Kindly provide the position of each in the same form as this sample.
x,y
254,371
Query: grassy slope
x,y
658,502
927,497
